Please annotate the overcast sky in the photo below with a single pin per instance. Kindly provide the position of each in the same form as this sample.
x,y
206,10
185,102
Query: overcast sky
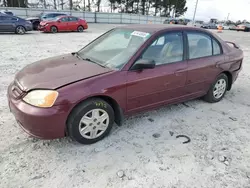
x,y
239,9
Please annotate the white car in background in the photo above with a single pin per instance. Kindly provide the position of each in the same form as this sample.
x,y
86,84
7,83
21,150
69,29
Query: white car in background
x,y
196,23
227,27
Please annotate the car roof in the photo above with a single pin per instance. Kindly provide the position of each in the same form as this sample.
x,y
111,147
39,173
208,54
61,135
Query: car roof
x,y
56,13
152,28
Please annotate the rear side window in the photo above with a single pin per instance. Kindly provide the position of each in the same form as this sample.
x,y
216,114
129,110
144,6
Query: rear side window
x,y
73,19
216,48
49,15
7,18
200,45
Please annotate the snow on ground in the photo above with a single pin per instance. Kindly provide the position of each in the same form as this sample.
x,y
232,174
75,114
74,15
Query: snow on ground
x,y
141,153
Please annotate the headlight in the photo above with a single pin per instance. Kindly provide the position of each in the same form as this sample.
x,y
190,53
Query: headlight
x,y
41,98
46,25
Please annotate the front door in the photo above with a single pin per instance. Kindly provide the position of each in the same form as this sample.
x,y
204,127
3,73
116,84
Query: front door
x,y
166,82
204,53
63,25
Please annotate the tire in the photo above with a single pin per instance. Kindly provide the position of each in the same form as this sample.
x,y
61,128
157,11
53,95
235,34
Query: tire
x,y
20,30
53,29
80,28
35,25
211,96
85,117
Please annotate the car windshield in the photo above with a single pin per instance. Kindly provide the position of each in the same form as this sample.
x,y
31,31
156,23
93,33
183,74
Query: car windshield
x,y
114,48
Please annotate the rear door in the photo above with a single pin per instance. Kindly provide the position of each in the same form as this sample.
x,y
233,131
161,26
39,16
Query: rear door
x,y
204,53
73,23
2,26
7,23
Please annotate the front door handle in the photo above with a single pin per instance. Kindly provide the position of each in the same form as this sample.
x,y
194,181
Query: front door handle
x,y
179,72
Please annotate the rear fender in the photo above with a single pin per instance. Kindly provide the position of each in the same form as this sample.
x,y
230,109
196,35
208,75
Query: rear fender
x,y
233,44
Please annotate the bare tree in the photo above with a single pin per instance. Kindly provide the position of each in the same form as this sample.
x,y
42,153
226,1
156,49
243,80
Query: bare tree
x,y
89,5
62,3
55,6
4,3
98,3
70,4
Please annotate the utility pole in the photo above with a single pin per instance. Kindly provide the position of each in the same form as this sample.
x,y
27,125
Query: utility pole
x,y
228,16
195,11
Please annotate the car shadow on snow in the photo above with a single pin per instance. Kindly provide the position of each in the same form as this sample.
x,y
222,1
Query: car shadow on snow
x,y
64,32
10,33
131,124
149,122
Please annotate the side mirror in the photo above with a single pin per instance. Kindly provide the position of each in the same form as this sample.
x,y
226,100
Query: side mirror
x,y
143,64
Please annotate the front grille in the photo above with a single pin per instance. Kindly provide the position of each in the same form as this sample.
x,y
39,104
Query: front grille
x,y
16,90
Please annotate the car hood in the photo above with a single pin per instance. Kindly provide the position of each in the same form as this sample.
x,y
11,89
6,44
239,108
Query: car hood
x,y
32,18
56,72
46,22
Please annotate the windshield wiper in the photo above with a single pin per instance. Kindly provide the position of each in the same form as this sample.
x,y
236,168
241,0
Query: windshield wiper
x,y
90,60
76,54
86,59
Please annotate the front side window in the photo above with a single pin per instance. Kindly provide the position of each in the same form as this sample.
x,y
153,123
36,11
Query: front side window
x,y
165,49
114,48
64,19
199,45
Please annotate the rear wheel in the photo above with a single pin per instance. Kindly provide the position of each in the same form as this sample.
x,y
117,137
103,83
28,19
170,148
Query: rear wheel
x,y
91,121
53,29
80,28
20,30
217,90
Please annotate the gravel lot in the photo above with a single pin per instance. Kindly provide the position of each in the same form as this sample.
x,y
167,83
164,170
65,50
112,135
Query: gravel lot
x,y
141,153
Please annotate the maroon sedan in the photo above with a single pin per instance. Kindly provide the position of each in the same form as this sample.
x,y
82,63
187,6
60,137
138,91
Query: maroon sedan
x,y
126,70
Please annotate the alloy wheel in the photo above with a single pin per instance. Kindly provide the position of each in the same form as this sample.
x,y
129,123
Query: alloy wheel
x,y
20,30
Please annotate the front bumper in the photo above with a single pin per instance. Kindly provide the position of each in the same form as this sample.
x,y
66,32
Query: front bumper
x,y
86,26
42,28
29,28
45,123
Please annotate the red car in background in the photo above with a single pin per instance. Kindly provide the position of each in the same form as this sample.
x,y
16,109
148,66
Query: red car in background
x,y
63,23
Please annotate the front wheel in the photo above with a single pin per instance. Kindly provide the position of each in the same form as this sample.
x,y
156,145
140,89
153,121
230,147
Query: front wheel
x,y
91,121
53,29
20,30
217,90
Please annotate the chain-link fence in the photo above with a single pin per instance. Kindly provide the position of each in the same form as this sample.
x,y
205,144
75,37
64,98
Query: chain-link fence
x,y
92,17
